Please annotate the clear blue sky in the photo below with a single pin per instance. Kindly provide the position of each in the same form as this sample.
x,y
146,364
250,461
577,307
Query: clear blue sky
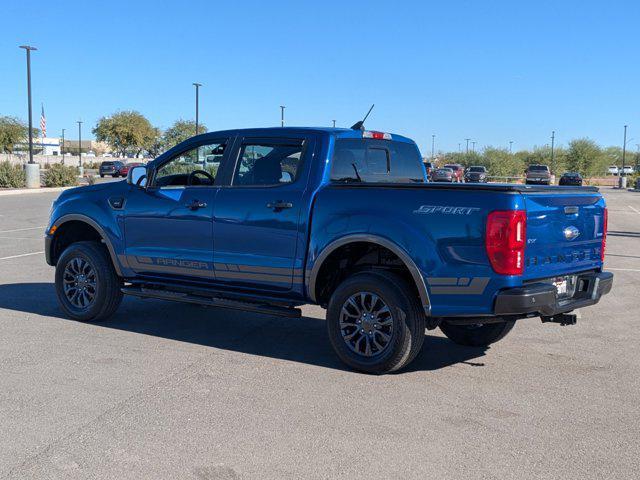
x,y
493,71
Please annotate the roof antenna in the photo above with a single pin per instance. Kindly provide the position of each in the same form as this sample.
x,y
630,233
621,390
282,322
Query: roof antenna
x,y
360,124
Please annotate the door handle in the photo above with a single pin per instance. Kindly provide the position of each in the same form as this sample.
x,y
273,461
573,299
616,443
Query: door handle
x,y
279,205
196,204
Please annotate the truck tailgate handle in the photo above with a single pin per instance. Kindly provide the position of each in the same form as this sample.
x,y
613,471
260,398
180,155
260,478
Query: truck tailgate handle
x,y
279,205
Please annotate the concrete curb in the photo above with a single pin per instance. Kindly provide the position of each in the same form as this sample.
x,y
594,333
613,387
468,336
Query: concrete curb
x,y
20,191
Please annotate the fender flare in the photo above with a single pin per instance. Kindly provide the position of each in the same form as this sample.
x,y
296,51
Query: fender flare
x,y
92,223
383,242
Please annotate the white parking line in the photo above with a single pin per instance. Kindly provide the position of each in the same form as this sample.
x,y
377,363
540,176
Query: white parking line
x,y
21,229
607,268
635,210
21,255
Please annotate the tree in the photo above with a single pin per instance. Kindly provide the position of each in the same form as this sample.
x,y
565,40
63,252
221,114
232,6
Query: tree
x,y
180,131
586,157
127,131
13,131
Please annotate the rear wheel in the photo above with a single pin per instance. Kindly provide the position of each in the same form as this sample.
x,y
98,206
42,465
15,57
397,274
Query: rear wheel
x,y
87,285
479,335
375,322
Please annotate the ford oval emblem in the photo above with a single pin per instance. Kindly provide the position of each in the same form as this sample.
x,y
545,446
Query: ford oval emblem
x,y
571,232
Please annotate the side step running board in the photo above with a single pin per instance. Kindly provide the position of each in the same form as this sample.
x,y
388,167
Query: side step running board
x,y
213,301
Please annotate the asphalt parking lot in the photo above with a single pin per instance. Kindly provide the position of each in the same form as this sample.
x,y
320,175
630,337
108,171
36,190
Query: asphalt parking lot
x,y
167,390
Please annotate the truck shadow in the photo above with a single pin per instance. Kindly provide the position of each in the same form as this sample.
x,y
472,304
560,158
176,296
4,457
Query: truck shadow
x,y
301,340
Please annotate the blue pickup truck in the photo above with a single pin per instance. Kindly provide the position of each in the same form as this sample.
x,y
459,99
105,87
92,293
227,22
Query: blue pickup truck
x,y
266,220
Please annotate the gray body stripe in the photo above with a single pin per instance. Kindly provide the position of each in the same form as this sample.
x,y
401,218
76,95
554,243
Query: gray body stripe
x,y
222,270
458,286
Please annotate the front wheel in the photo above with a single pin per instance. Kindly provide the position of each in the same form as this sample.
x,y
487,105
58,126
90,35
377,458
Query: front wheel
x,y
87,285
375,322
480,335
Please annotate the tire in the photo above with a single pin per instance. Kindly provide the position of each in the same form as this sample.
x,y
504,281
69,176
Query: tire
x,y
106,283
101,175
405,331
476,335
115,175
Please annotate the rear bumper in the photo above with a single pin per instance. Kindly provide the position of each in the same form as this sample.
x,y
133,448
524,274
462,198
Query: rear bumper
x,y
541,298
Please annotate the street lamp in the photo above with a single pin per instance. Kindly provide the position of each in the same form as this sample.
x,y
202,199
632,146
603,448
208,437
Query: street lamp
x,y
473,146
334,123
32,170
28,49
433,143
197,85
79,122
622,180
62,147
553,142
282,107
510,146
467,150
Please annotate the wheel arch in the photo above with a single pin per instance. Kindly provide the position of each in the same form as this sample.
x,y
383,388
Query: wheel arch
x,y
89,223
406,259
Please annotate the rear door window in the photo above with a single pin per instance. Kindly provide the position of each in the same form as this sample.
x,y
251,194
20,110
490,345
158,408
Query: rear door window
x,y
368,160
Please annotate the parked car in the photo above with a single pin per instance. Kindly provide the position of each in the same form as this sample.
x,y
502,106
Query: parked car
x,y
571,178
429,168
442,175
537,174
476,174
614,170
124,170
355,228
457,171
627,170
111,167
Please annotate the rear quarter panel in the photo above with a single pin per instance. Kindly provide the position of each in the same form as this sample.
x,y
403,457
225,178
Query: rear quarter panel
x,y
441,230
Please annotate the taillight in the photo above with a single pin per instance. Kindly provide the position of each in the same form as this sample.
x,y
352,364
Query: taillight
x,y
605,224
505,240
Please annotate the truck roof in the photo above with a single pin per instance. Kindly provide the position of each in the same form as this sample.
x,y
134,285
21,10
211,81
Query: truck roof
x,y
336,132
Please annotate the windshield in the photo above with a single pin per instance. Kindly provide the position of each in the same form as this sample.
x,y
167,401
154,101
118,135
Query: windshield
x,y
476,169
368,160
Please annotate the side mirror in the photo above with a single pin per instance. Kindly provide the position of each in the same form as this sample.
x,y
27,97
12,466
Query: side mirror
x,y
137,176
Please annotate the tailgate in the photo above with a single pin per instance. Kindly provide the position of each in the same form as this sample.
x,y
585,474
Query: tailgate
x,y
564,232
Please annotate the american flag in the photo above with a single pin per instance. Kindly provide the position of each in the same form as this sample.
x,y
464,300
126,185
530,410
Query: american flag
x,y
43,123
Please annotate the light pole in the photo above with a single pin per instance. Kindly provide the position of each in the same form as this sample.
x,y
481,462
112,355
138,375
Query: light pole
x,y
79,122
473,147
282,107
510,146
28,49
62,147
622,180
433,144
467,150
197,85
459,148
334,123
32,170
553,142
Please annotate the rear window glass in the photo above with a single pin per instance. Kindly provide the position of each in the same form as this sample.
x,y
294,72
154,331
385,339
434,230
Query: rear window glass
x,y
538,168
373,161
107,164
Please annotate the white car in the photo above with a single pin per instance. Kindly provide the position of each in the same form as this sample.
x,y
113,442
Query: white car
x,y
614,170
628,170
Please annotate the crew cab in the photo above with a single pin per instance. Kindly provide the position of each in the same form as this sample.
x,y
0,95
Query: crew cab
x,y
267,220
537,174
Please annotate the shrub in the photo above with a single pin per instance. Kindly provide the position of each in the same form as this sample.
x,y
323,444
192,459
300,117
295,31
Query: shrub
x,y
12,176
61,176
